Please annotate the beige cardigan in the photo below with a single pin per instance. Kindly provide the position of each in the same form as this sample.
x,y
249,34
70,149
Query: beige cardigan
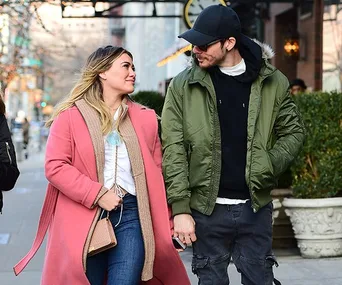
x,y
129,136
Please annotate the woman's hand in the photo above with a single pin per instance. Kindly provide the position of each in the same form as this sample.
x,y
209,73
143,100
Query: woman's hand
x,y
184,228
109,201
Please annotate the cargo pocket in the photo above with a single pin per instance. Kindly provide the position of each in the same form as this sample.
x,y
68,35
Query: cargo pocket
x,y
269,277
200,267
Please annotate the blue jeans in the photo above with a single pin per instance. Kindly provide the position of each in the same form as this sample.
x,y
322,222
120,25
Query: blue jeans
x,y
234,232
123,263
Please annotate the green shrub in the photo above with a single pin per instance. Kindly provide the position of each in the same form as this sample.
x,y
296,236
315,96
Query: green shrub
x,y
151,99
317,172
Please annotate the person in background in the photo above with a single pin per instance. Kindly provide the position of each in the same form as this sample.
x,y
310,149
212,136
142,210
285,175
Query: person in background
x,y
9,171
104,154
26,136
229,129
297,86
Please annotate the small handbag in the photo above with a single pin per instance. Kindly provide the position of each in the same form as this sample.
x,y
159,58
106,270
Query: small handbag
x,y
103,237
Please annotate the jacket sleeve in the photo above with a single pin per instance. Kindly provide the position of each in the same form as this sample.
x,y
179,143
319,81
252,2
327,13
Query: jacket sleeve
x,y
9,171
290,134
157,153
59,169
175,164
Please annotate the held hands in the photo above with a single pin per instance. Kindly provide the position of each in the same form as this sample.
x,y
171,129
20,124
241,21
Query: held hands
x,y
109,201
184,228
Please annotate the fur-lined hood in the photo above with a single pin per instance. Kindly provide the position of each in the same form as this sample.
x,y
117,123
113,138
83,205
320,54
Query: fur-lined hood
x,y
267,51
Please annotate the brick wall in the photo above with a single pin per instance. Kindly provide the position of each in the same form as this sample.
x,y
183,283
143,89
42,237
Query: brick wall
x,y
285,26
309,66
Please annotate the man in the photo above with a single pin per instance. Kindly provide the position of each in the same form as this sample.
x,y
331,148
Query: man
x,y
26,136
297,86
229,129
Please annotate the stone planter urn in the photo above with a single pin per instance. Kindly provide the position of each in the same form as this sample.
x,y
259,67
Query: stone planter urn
x,y
276,207
317,224
283,236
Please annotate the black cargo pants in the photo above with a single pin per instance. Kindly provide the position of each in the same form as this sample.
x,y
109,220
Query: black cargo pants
x,y
234,232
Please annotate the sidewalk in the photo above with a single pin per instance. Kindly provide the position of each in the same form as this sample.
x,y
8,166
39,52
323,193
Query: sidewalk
x,y
19,221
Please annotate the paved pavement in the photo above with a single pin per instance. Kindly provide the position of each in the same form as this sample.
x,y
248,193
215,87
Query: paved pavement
x,y
19,222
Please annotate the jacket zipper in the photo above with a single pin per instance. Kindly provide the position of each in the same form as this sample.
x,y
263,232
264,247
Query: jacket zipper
x,y
253,204
8,152
213,161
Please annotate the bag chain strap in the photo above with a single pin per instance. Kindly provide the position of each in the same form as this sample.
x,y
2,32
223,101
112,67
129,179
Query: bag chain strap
x,y
119,191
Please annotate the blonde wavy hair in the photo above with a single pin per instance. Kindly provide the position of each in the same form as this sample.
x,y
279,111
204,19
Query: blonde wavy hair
x,y
89,86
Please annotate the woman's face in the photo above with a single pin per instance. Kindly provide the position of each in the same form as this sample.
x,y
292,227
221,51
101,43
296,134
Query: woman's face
x,y
120,77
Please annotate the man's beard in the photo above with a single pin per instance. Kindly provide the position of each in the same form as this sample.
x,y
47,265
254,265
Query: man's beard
x,y
212,61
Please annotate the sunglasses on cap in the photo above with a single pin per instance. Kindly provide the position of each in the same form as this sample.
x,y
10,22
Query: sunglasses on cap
x,y
205,47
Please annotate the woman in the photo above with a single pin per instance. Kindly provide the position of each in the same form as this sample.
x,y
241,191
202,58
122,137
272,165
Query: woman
x,y
9,172
93,128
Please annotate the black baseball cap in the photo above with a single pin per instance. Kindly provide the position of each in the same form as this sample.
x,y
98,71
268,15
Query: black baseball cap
x,y
215,22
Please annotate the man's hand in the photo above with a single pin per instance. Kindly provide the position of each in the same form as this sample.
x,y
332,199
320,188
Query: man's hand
x,y
184,228
109,201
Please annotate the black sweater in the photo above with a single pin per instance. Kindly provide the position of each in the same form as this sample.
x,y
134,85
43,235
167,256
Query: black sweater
x,y
232,95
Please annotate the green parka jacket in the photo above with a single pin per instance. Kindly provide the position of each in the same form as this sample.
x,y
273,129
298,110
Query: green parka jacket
x,y
192,145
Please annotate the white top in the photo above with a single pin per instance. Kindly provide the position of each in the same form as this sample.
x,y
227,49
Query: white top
x,y
227,201
124,176
235,70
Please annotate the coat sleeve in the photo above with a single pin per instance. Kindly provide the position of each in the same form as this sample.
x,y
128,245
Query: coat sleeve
x,y
290,134
157,157
157,149
59,169
157,153
175,164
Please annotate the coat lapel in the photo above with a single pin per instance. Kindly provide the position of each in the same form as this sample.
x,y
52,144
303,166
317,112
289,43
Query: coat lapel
x,y
146,141
97,156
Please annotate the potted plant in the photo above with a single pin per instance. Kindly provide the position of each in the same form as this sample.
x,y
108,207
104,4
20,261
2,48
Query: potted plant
x,y
151,99
276,207
315,210
283,235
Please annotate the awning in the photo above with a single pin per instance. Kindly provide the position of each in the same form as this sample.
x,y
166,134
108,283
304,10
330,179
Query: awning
x,y
178,48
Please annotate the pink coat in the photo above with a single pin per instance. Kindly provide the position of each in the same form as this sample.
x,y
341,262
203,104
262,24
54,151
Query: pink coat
x,y
67,211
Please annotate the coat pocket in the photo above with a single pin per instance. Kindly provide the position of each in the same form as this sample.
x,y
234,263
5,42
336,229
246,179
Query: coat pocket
x,y
262,175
